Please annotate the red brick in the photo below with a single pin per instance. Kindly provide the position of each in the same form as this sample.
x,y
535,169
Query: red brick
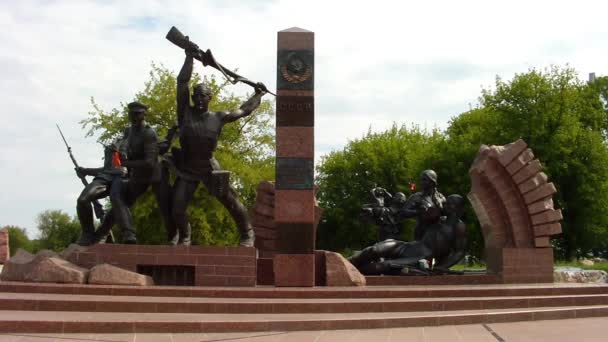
x,y
265,198
262,221
241,251
268,245
210,280
295,142
529,171
548,229
511,151
547,216
204,270
519,162
542,241
241,281
225,260
160,249
176,259
265,233
539,193
208,250
235,271
117,259
145,259
266,186
540,206
262,209
533,183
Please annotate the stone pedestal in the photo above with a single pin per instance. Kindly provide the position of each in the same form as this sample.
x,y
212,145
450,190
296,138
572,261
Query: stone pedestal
x,y
177,265
294,209
4,248
294,270
526,265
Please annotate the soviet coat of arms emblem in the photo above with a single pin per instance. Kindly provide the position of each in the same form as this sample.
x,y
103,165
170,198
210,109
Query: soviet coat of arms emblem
x,y
295,70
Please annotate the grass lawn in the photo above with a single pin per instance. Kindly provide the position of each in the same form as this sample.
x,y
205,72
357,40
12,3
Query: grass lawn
x,y
597,266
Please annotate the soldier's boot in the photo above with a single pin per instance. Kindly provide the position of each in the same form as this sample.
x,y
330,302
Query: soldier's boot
x,y
85,215
366,256
128,234
125,222
247,235
185,235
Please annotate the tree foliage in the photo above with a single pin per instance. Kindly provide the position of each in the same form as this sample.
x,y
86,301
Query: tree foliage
x,y
246,148
17,238
57,230
563,120
389,159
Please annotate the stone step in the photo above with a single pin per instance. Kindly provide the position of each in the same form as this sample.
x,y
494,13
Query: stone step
x,y
105,322
431,291
97,303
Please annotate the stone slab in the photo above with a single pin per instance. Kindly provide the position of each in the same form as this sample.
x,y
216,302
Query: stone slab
x,y
294,173
295,111
297,238
294,270
295,142
340,272
294,206
105,274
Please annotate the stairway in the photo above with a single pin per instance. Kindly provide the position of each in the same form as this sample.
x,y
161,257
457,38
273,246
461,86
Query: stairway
x,y
61,308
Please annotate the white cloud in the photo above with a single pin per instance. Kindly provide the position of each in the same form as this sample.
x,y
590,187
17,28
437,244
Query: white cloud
x,y
376,63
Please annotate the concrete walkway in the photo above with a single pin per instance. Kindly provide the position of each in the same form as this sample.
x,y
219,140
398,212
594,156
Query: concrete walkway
x,y
584,329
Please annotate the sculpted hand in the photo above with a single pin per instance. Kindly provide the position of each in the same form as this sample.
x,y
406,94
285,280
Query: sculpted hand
x,y
80,172
260,88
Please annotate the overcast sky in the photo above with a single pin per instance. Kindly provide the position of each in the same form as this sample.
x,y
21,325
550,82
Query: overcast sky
x,y
377,62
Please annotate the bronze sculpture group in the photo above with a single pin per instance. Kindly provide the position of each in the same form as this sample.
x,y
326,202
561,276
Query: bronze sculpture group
x,y
439,237
139,161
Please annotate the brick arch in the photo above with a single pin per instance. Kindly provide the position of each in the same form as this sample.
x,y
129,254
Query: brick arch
x,y
513,202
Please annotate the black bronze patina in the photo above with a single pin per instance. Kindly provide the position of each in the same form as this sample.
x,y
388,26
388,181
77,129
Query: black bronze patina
x,y
199,131
141,159
441,246
107,179
426,206
384,211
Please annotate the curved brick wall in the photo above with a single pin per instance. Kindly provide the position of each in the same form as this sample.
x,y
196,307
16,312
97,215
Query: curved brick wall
x,y
513,201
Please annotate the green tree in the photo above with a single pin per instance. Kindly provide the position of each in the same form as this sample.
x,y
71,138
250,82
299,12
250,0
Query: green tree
x,y
388,159
246,148
17,238
57,230
564,121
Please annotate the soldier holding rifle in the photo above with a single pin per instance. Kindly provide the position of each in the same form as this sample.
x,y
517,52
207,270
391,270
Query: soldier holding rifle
x,y
199,131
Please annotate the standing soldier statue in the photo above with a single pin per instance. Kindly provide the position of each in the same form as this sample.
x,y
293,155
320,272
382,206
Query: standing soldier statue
x,y
142,149
199,131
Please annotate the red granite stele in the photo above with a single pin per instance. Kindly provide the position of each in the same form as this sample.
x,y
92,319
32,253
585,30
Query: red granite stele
x,y
513,201
4,248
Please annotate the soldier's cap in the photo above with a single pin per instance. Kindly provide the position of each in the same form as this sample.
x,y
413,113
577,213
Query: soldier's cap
x,y
137,107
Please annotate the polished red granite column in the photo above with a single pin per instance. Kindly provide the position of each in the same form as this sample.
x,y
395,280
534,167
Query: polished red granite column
x,y
294,214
